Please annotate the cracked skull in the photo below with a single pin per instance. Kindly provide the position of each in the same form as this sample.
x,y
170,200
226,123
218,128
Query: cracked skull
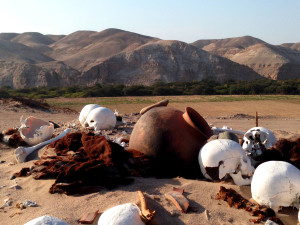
x,y
34,131
222,157
257,140
101,118
276,184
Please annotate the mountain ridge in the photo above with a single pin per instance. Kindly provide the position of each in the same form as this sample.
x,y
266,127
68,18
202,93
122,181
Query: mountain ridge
x,y
116,56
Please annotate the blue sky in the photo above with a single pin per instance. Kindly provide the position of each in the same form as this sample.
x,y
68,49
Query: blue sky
x,y
274,21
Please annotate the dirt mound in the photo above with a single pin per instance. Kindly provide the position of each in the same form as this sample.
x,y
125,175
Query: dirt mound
x,y
17,104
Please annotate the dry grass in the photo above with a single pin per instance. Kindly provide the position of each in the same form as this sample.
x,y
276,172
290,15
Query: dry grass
x,y
266,105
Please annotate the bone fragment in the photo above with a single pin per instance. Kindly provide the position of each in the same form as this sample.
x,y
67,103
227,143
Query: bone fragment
x,y
147,214
21,153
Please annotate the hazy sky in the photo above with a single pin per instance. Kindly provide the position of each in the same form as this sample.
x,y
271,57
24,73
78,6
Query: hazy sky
x,y
274,21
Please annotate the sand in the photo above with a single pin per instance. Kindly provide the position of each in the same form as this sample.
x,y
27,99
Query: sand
x,y
201,193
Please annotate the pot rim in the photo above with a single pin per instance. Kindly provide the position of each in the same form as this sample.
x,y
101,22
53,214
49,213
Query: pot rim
x,y
197,122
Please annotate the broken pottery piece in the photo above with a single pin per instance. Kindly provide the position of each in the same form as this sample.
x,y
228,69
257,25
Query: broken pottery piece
x,y
46,220
34,131
128,213
85,112
178,200
101,118
158,104
222,157
276,184
180,190
88,218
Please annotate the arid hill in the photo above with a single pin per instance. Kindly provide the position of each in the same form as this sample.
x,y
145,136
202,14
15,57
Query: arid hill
x,y
166,61
117,56
270,61
292,45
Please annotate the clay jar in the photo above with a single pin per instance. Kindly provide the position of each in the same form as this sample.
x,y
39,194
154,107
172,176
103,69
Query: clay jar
x,y
172,138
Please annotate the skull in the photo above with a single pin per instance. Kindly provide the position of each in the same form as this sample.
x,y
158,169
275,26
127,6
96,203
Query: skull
x,y
257,140
85,112
101,118
34,131
46,220
222,157
128,213
276,184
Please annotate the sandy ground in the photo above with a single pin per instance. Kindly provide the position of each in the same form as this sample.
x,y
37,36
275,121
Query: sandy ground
x,y
283,120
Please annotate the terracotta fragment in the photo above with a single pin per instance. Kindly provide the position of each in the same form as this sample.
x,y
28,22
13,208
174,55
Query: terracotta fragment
x,y
88,218
178,200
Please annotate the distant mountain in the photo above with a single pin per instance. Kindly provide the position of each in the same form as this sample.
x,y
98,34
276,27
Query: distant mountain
x,y
166,61
116,56
295,46
15,52
84,49
270,61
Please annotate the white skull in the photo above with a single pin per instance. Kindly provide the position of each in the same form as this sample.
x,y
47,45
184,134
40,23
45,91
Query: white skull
x,y
257,139
34,131
85,112
101,118
122,214
222,157
276,184
46,220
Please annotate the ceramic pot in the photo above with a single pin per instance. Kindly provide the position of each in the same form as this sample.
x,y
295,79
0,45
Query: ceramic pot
x,y
172,137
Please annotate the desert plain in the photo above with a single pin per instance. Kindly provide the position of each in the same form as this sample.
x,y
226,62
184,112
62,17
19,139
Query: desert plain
x,y
280,114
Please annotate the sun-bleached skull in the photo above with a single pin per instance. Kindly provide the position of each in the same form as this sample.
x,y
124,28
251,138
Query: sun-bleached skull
x,y
46,220
256,140
222,157
34,131
276,184
101,118
85,112
122,214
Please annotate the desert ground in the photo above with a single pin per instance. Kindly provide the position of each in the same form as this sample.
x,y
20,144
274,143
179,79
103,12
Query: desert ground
x,y
281,116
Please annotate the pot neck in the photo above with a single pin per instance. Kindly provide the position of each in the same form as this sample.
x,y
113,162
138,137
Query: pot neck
x,y
197,122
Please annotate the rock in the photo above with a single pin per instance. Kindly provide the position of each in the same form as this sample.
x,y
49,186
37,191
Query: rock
x,y
16,187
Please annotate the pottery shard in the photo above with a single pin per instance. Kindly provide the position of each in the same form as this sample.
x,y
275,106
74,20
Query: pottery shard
x,y
178,200
158,104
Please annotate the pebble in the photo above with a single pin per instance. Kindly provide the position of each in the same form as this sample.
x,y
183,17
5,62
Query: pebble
x,y
29,203
16,186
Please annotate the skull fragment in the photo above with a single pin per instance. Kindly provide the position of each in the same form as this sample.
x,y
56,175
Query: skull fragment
x,y
101,118
257,140
34,131
276,184
222,157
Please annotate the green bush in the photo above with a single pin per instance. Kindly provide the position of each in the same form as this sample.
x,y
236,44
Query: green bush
x,y
205,87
